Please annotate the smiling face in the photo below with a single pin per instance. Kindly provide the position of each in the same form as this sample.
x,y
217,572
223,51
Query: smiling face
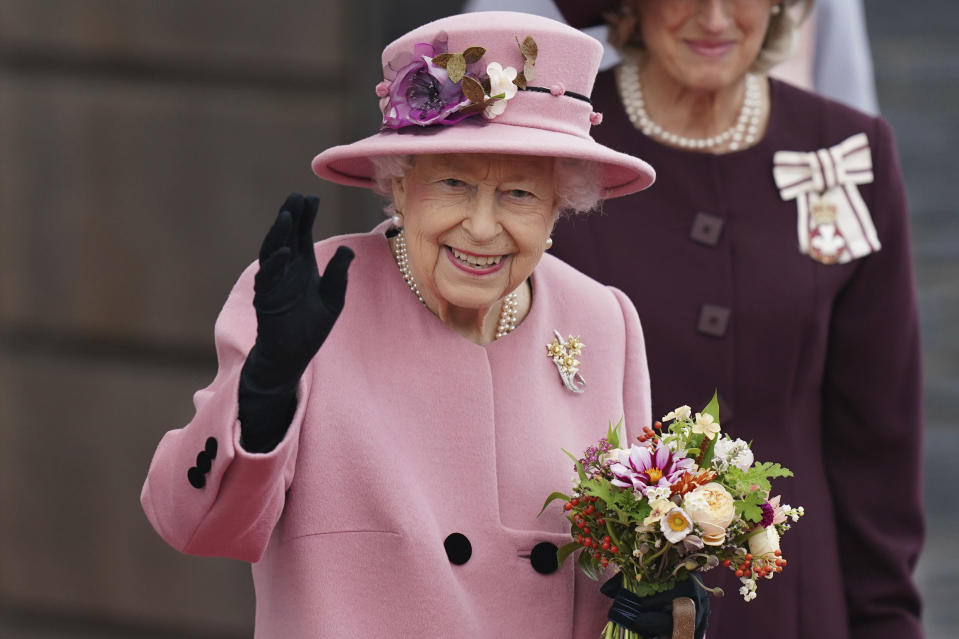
x,y
703,45
475,225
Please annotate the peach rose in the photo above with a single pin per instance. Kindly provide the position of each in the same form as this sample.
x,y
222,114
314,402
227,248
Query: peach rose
x,y
712,509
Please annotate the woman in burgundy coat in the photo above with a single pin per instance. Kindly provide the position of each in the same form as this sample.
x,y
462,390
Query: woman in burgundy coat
x,y
771,259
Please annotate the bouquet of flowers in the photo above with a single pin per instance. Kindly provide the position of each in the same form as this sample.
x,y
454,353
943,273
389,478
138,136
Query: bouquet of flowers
x,y
681,501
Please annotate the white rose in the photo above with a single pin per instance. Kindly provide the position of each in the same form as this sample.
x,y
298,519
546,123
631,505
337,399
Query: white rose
x,y
764,543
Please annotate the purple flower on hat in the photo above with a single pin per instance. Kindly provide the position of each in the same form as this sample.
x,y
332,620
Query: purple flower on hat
x,y
421,92
645,467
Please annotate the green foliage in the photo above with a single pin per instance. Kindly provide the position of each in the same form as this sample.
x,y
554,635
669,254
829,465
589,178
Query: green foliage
x,y
612,433
739,483
564,551
588,565
649,588
750,506
553,497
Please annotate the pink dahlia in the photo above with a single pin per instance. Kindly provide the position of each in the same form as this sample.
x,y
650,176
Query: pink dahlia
x,y
646,467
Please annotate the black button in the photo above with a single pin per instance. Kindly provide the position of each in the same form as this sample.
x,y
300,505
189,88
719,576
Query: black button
x,y
706,229
196,477
211,447
203,461
458,548
713,320
544,558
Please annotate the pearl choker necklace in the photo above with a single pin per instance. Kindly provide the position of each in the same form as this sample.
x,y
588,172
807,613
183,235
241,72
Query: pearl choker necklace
x,y
507,316
741,134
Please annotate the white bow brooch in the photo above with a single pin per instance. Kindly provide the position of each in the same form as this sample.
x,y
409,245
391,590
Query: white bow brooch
x,y
833,223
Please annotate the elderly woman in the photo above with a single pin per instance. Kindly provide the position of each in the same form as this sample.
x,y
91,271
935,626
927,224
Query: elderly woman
x,y
380,451
778,235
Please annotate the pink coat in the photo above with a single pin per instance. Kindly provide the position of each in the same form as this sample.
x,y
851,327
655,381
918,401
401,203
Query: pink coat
x,y
404,434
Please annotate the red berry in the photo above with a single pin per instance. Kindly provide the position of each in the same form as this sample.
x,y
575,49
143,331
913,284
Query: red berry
x,y
602,522
605,563
567,506
590,509
605,545
575,502
586,530
739,572
777,552
726,562
658,425
597,556
614,549
749,557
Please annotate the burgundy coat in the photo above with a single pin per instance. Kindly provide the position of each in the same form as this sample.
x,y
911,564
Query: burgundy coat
x,y
817,364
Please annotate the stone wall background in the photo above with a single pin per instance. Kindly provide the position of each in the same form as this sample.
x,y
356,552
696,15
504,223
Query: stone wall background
x,y
144,148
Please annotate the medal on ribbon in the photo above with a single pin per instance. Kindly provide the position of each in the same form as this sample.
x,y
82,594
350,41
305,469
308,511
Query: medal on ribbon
x,y
833,221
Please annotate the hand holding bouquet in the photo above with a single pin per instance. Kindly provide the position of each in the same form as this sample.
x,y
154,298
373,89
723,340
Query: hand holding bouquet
x,y
681,501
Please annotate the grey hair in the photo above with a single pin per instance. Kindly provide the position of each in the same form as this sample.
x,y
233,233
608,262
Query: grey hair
x,y
578,182
625,34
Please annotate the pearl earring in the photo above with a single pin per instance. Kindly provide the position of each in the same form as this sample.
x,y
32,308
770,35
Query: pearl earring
x,y
776,9
549,243
397,220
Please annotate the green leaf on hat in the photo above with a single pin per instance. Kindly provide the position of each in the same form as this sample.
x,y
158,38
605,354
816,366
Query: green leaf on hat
x,y
473,54
456,67
520,80
472,89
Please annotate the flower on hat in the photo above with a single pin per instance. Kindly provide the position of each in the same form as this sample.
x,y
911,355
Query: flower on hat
x,y
502,88
421,91
431,86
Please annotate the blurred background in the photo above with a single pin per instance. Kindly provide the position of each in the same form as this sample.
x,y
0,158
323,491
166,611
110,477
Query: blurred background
x,y
144,149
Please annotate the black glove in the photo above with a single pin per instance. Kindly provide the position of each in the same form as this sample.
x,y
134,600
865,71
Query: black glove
x,y
295,311
652,616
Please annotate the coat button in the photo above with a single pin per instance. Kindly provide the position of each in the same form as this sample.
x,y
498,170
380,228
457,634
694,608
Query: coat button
x,y
543,557
203,461
713,320
211,447
196,477
458,548
706,229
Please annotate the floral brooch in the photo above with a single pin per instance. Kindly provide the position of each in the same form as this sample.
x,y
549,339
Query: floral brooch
x,y
564,354
431,86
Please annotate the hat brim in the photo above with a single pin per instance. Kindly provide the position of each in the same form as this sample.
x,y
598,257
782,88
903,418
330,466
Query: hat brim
x,y
350,164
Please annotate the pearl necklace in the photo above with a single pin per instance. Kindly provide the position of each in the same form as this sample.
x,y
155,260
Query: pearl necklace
x,y
741,134
507,315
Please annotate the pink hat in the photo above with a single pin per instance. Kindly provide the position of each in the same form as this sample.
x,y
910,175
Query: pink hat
x,y
489,82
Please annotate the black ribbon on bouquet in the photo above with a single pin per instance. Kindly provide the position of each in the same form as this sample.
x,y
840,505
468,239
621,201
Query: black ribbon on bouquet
x,y
653,616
